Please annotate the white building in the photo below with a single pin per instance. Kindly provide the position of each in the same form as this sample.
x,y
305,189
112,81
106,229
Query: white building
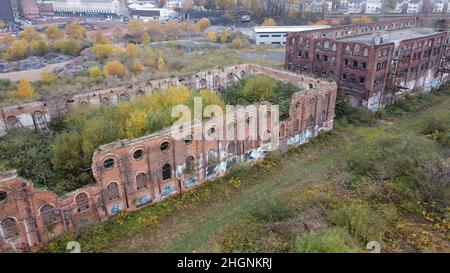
x,y
373,7
398,7
276,35
148,11
415,6
173,4
87,7
438,6
355,6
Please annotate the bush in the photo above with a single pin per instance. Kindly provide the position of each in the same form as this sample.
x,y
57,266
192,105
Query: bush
x,y
358,116
327,240
361,221
274,211
241,237
434,125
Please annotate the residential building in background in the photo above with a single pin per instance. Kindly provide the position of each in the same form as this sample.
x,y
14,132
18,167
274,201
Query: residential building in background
x,y
415,6
355,6
373,6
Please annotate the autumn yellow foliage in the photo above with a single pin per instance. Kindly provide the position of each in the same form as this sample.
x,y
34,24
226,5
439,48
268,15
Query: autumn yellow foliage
x,y
114,69
25,90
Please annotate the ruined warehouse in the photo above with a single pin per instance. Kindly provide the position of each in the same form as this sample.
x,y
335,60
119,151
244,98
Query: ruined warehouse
x,y
134,173
374,63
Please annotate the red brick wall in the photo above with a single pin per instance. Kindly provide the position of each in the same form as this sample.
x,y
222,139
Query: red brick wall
x,y
312,109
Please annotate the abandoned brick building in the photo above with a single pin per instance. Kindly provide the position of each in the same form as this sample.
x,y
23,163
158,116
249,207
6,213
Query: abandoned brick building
x,y
134,173
373,63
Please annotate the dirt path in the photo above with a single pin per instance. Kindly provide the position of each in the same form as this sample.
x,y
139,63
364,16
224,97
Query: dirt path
x,y
31,75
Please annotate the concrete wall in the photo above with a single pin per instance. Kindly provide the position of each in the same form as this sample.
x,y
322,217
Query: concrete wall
x,y
133,173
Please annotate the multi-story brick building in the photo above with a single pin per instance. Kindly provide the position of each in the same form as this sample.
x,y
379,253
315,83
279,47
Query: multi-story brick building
x,y
373,63
134,173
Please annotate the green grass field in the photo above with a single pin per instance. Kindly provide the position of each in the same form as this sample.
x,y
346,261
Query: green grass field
x,y
315,198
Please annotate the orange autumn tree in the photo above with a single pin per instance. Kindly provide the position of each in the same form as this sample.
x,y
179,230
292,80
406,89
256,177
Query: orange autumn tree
x,y
25,90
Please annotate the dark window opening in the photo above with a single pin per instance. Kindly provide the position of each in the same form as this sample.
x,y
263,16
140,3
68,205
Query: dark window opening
x,y
164,147
138,154
112,191
188,139
9,227
82,201
108,163
3,196
166,171
141,180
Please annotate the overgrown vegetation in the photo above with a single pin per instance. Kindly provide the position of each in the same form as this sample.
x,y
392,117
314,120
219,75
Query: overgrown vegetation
x,y
61,159
261,88
388,183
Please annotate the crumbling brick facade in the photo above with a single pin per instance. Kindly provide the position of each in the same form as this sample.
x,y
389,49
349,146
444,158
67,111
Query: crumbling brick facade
x,y
376,68
134,173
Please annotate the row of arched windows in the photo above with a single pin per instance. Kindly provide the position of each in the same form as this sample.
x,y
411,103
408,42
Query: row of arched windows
x,y
357,50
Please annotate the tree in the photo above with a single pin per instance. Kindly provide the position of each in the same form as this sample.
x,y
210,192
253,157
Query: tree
x,y
53,33
25,90
366,19
18,50
135,28
2,24
48,78
224,36
66,153
39,47
114,68
6,39
203,23
269,22
212,36
239,42
102,51
154,28
149,57
259,88
29,34
137,66
145,39
187,4
171,29
390,5
335,22
161,63
68,46
99,38
136,124
75,31
132,51
95,73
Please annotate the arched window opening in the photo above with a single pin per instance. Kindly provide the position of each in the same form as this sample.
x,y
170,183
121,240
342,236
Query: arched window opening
x,y
48,214
112,191
82,200
166,171
231,149
190,165
141,180
9,227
